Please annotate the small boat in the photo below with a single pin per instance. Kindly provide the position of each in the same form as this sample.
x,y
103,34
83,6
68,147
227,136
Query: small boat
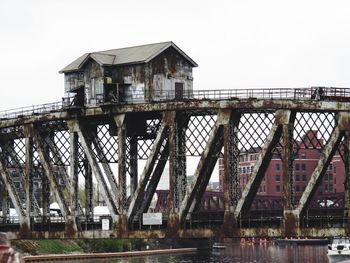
x,y
217,245
339,249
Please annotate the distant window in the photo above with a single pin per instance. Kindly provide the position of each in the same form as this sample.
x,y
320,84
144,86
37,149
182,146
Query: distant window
x,y
304,177
251,168
278,188
278,167
303,167
326,177
297,177
297,167
244,170
330,188
330,177
297,188
303,156
335,168
278,178
326,188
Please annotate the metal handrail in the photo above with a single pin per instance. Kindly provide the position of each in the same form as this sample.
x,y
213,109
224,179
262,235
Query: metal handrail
x,y
141,96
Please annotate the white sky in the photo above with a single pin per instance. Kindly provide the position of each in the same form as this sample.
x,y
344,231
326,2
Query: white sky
x,y
237,43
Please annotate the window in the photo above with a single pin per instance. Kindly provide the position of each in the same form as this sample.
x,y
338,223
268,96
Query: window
x,y
297,188
297,167
278,188
304,177
330,188
326,188
334,168
278,178
244,170
278,166
303,156
297,177
303,167
330,177
326,177
251,168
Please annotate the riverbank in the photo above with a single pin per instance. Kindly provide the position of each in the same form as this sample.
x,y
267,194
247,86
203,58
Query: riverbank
x,y
90,256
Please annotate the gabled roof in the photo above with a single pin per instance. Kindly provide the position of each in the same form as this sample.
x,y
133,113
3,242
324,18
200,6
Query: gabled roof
x,y
122,56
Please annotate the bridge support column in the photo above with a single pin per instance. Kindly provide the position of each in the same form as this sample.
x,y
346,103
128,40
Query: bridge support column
x,y
347,181
231,176
28,171
177,170
74,178
133,164
122,198
290,220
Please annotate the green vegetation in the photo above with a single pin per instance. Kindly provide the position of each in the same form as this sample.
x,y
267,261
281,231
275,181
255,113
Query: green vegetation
x,y
50,246
58,246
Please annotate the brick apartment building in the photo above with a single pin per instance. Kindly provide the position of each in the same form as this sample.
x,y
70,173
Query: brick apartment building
x,y
304,164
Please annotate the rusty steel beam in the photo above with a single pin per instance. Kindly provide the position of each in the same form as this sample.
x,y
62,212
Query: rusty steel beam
x,y
137,197
74,178
133,164
263,160
10,187
106,168
86,143
42,150
231,174
58,160
290,223
28,170
205,166
323,162
177,159
347,179
287,163
267,104
153,182
231,160
121,125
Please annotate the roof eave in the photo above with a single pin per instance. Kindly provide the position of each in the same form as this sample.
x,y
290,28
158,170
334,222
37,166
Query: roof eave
x,y
171,44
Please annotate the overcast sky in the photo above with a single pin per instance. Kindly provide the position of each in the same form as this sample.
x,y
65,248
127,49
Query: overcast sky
x,y
237,44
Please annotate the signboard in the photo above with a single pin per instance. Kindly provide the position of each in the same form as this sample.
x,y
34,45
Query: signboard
x,y
105,224
151,219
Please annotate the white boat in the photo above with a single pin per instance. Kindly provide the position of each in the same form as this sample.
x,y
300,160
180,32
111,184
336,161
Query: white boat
x,y
339,249
217,245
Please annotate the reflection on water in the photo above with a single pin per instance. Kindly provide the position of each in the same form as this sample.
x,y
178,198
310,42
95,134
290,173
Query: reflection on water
x,y
235,252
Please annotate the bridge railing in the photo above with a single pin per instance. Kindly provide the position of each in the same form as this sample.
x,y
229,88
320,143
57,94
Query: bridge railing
x,y
31,110
140,96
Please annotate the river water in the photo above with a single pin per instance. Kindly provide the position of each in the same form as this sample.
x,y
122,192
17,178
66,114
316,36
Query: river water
x,y
235,252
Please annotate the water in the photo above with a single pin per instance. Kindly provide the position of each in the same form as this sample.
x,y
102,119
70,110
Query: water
x,y
235,252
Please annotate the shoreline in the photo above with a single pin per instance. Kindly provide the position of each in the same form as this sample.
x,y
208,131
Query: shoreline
x,y
81,256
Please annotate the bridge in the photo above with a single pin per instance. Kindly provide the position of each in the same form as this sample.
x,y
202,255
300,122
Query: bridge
x,y
121,150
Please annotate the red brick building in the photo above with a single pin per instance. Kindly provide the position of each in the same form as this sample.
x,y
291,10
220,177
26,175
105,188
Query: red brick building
x,y
303,166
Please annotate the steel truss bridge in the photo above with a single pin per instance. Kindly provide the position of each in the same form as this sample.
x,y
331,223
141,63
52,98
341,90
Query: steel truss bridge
x,y
125,148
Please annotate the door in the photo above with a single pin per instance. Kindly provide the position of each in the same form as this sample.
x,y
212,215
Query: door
x,y
179,90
